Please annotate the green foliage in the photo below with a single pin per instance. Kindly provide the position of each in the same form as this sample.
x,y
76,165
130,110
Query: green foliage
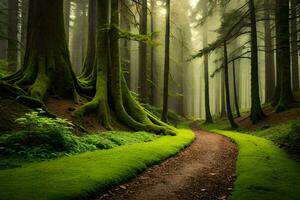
x,y
43,137
264,171
77,177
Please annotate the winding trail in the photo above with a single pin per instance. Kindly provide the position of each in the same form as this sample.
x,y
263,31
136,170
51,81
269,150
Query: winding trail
x,y
205,170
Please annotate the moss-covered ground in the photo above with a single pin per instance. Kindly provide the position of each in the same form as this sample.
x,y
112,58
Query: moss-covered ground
x,y
264,171
82,175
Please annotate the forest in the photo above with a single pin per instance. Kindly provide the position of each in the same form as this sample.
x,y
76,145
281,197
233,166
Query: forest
x,y
149,99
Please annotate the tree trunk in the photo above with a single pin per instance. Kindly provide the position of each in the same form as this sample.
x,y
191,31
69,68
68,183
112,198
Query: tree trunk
x,y
223,103
46,66
294,43
126,18
256,110
143,55
228,105
111,84
236,101
283,97
152,53
24,20
67,9
167,64
208,117
12,51
269,56
88,66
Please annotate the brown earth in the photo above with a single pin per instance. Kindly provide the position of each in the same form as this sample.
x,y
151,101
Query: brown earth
x,y
205,170
271,118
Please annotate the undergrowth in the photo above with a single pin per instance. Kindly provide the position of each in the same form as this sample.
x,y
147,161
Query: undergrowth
x,y
43,138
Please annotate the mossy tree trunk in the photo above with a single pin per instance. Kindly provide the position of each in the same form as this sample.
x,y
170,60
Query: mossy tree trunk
x,y
46,66
111,85
228,105
283,95
256,110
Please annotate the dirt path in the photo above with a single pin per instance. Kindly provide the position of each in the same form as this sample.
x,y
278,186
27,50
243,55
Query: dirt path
x,y
205,170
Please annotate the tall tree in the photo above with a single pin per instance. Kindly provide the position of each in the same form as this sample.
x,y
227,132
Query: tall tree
x,y
12,51
283,94
269,55
126,20
143,54
112,92
228,105
24,20
208,117
164,116
88,65
236,101
256,110
294,44
46,66
67,10
152,50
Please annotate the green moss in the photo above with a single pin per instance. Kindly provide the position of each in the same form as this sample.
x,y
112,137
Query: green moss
x,y
79,176
264,171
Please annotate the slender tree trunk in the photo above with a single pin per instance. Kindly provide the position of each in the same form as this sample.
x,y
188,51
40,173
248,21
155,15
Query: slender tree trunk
x,y
152,53
88,66
228,105
143,55
24,21
67,9
167,64
283,97
223,103
126,44
256,110
236,101
208,117
294,44
46,68
12,52
269,56
3,42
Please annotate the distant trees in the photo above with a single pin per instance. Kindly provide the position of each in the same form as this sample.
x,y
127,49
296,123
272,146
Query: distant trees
x,y
164,116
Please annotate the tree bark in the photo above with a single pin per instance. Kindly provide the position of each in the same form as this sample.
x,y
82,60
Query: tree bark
x,y
294,44
125,43
223,100
283,96
167,64
24,21
208,117
269,56
12,51
143,55
228,105
236,101
256,110
152,54
112,92
46,67
88,66
67,9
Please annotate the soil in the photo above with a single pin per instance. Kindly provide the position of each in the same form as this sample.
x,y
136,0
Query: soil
x,y
205,170
271,118
10,110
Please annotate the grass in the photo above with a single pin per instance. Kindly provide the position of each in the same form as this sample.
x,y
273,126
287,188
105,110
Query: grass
x,y
264,171
79,176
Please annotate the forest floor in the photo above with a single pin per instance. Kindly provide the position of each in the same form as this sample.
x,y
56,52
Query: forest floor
x,y
205,170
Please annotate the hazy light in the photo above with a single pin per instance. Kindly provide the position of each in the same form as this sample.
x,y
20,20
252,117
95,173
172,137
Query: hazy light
x,y
194,3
